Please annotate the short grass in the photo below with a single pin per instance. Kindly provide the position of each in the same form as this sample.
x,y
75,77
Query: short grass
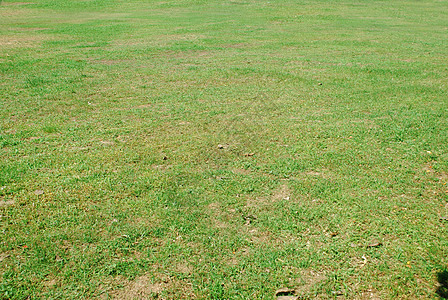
x,y
223,149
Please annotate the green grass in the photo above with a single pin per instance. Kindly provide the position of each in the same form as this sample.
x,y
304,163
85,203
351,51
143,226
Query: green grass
x,y
112,183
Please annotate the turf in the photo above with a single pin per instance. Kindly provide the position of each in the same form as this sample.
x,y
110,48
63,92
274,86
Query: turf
x,y
223,149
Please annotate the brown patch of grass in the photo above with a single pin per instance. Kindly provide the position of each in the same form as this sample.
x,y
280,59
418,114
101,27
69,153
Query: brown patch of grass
x,y
109,62
305,281
233,261
321,173
161,40
241,171
5,203
140,288
4,256
370,294
442,176
214,206
219,224
84,17
179,37
215,213
163,288
30,29
15,3
142,106
13,41
281,193
184,268
50,283
162,167
238,45
260,237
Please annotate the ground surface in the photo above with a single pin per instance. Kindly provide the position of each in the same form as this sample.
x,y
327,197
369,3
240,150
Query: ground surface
x,y
223,149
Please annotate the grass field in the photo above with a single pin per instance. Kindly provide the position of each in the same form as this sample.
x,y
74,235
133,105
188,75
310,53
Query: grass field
x,y
224,149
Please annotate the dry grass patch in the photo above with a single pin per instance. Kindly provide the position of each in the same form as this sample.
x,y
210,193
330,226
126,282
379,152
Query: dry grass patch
x,y
144,287
283,192
16,41
5,203
15,3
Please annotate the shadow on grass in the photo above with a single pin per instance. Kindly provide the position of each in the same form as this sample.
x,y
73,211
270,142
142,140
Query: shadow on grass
x,y
442,289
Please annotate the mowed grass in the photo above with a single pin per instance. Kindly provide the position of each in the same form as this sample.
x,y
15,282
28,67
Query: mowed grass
x,y
223,149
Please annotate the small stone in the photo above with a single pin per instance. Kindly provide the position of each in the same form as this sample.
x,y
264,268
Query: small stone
x,y
38,192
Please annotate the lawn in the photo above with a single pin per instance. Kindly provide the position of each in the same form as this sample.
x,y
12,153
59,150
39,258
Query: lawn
x,y
224,149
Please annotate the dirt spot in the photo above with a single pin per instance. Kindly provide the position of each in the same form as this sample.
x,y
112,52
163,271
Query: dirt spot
x,y
214,206
163,288
216,215
218,224
442,176
313,173
305,281
184,268
38,192
50,283
195,245
4,256
282,193
232,262
140,288
143,106
369,294
241,171
7,203
161,167
260,237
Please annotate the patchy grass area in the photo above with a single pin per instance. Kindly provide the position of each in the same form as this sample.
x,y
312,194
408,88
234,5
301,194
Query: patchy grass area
x,y
223,149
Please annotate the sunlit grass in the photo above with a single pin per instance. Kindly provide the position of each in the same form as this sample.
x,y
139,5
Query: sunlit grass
x,y
223,149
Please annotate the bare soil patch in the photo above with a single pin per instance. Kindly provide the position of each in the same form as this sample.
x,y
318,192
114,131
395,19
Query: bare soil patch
x,y
6,203
283,192
144,288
